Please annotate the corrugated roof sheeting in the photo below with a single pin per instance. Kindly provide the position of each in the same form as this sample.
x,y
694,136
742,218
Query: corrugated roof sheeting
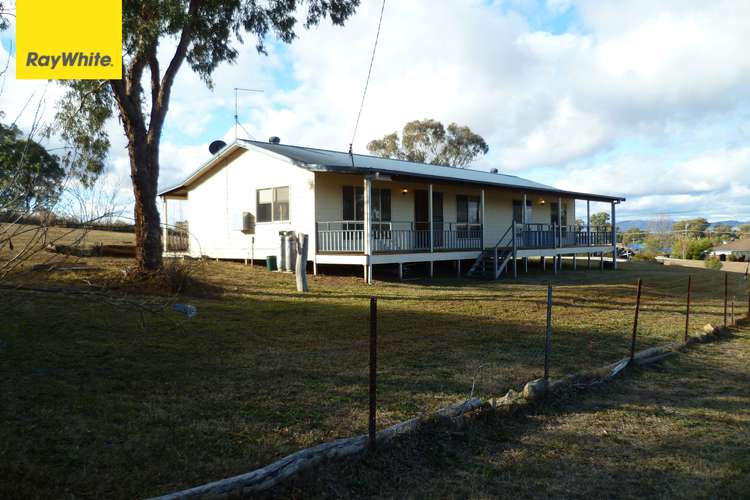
x,y
339,161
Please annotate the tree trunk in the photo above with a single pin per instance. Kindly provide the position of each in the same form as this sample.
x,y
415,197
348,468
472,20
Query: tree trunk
x,y
144,172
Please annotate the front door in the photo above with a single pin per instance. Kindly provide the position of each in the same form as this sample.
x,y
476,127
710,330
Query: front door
x,y
422,219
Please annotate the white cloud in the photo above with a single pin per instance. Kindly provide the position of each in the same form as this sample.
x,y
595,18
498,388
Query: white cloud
x,y
671,76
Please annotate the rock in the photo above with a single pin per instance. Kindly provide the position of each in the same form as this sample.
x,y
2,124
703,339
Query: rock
x,y
710,329
188,310
535,389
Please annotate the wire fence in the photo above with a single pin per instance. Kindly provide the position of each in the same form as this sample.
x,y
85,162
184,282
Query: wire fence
x,y
644,315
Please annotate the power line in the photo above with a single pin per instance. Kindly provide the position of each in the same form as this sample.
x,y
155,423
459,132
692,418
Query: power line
x,y
369,72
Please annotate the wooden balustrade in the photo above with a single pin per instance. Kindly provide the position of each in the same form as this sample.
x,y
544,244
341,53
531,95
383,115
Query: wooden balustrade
x,y
348,237
394,237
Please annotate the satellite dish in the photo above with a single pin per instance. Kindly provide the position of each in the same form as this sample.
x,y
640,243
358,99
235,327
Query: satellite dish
x,y
216,146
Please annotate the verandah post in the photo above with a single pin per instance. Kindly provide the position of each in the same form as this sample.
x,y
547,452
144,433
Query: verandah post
x,y
614,237
373,370
515,263
367,244
165,236
548,339
635,321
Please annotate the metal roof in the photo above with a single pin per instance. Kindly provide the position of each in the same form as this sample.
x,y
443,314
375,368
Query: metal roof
x,y
742,245
323,160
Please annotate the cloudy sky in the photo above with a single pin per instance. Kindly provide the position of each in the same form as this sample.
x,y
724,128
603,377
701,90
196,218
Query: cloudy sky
x,y
648,100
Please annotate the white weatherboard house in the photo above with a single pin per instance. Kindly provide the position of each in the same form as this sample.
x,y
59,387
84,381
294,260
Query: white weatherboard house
x,y
371,211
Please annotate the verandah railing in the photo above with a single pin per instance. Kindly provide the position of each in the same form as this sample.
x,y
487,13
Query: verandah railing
x,y
348,237
178,239
530,236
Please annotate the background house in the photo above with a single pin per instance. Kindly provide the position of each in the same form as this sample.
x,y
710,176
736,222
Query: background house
x,y
738,249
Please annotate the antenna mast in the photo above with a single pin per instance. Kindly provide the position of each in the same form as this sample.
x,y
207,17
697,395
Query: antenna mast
x,y
237,90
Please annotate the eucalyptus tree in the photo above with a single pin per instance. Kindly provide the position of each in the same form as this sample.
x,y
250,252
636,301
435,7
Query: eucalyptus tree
x,y
30,176
198,33
429,141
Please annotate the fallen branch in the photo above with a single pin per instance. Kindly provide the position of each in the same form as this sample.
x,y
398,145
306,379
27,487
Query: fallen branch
x,y
272,474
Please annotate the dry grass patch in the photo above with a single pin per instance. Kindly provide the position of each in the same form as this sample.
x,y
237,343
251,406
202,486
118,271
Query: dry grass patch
x,y
99,401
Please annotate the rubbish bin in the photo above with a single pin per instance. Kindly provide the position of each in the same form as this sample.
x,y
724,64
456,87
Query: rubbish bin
x,y
271,263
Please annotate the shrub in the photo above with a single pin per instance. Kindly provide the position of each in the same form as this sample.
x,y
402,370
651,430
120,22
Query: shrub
x,y
713,262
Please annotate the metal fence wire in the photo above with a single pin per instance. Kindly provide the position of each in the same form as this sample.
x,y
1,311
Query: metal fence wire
x,y
635,317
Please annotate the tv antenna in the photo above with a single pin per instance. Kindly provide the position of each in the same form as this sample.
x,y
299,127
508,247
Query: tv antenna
x,y
237,123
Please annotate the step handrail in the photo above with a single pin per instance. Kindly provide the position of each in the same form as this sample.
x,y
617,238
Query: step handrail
x,y
498,266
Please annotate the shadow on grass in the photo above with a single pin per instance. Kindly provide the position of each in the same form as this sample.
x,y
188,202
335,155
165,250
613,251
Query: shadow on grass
x,y
679,430
86,392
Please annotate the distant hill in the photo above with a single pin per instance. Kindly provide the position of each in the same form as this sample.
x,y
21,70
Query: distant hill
x,y
730,223
644,225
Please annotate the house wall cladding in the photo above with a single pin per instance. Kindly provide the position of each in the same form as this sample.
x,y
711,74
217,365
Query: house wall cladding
x,y
216,205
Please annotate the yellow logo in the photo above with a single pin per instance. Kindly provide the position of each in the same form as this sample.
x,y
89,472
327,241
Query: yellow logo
x,y
69,39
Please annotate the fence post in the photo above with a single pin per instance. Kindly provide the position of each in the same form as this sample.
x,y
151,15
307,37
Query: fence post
x,y
635,321
548,340
373,368
732,310
726,296
687,310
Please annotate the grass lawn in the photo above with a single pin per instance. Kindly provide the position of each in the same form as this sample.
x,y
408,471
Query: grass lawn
x,y
98,400
676,430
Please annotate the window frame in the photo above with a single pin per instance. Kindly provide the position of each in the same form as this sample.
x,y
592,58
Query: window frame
x,y
464,228
273,205
518,204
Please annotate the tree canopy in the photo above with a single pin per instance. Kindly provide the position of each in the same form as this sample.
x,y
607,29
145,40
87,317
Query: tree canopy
x,y
428,141
600,219
696,228
197,32
632,236
30,177
722,231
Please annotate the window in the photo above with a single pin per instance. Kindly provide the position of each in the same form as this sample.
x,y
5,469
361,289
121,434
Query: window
x,y
273,205
517,212
467,215
281,204
353,203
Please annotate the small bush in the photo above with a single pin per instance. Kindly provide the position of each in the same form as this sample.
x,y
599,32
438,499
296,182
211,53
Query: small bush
x,y
644,256
176,277
713,262
731,258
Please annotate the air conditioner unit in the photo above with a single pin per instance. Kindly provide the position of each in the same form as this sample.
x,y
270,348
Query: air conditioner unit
x,y
245,222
